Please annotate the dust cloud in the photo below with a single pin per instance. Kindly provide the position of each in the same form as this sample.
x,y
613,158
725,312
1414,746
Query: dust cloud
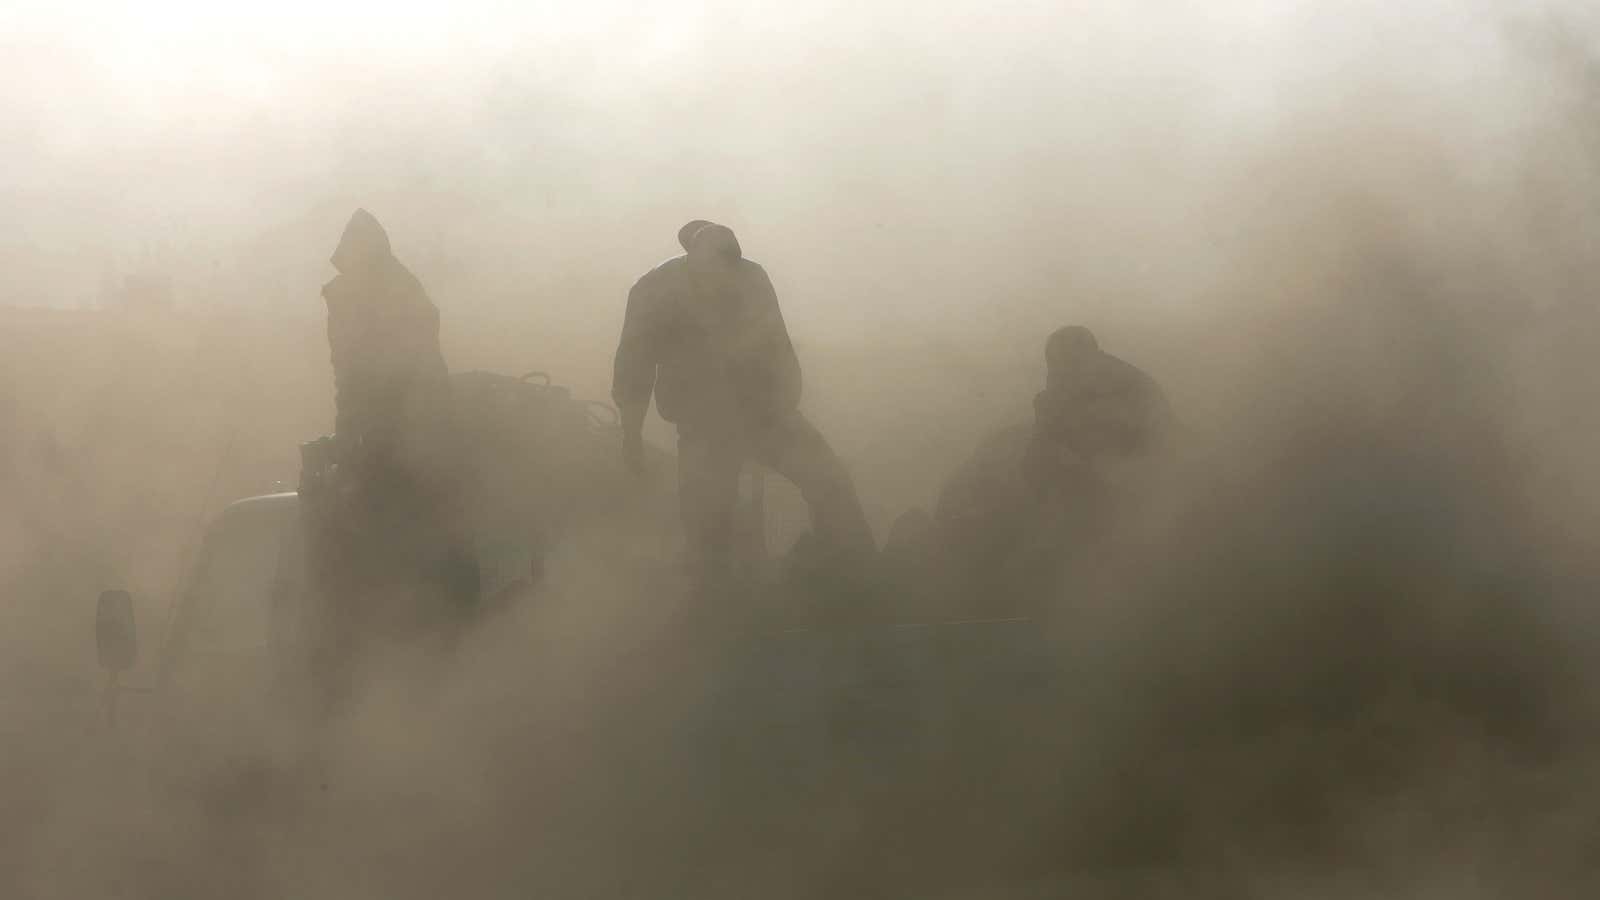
x,y
1346,651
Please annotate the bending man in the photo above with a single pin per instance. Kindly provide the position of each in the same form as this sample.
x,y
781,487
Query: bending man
x,y
704,334
1095,407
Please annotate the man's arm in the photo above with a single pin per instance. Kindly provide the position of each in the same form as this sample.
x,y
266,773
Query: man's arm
x,y
634,372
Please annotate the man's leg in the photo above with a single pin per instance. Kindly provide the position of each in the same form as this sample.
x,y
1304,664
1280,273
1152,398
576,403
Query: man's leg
x,y
708,493
795,449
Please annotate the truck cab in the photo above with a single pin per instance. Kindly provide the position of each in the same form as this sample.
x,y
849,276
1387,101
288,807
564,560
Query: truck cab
x,y
243,619
243,609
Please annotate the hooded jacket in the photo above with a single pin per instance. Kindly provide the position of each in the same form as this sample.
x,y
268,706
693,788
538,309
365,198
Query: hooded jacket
x,y
383,334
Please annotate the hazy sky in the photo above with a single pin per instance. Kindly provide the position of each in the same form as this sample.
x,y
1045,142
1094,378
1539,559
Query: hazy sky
x,y
528,147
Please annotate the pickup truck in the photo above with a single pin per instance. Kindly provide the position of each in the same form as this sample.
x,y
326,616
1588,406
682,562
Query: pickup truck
x,y
239,626
544,463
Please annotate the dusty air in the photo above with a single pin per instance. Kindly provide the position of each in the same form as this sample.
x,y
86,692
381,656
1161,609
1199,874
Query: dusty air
x,y
842,450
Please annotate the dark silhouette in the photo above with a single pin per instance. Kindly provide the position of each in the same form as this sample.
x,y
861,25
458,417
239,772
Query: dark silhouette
x,y
1094,408
389,549
1012,520
383,332
704,334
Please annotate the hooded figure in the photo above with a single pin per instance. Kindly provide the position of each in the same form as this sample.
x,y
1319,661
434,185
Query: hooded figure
x,y
383,332
704,335
390,550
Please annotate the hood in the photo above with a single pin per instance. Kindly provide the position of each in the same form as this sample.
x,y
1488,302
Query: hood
x,y
363,244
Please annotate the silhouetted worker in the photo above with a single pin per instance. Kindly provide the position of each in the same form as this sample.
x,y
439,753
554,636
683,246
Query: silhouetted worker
x,y
1094,408
388,372
703,332
390,548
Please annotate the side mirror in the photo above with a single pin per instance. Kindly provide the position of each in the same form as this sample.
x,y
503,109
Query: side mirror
x,y
115,638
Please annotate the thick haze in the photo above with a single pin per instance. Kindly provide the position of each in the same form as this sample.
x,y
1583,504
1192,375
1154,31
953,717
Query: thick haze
x,y
1358,243
533,158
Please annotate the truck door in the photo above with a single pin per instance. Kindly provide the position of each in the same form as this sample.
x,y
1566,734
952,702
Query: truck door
x,y
240,615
